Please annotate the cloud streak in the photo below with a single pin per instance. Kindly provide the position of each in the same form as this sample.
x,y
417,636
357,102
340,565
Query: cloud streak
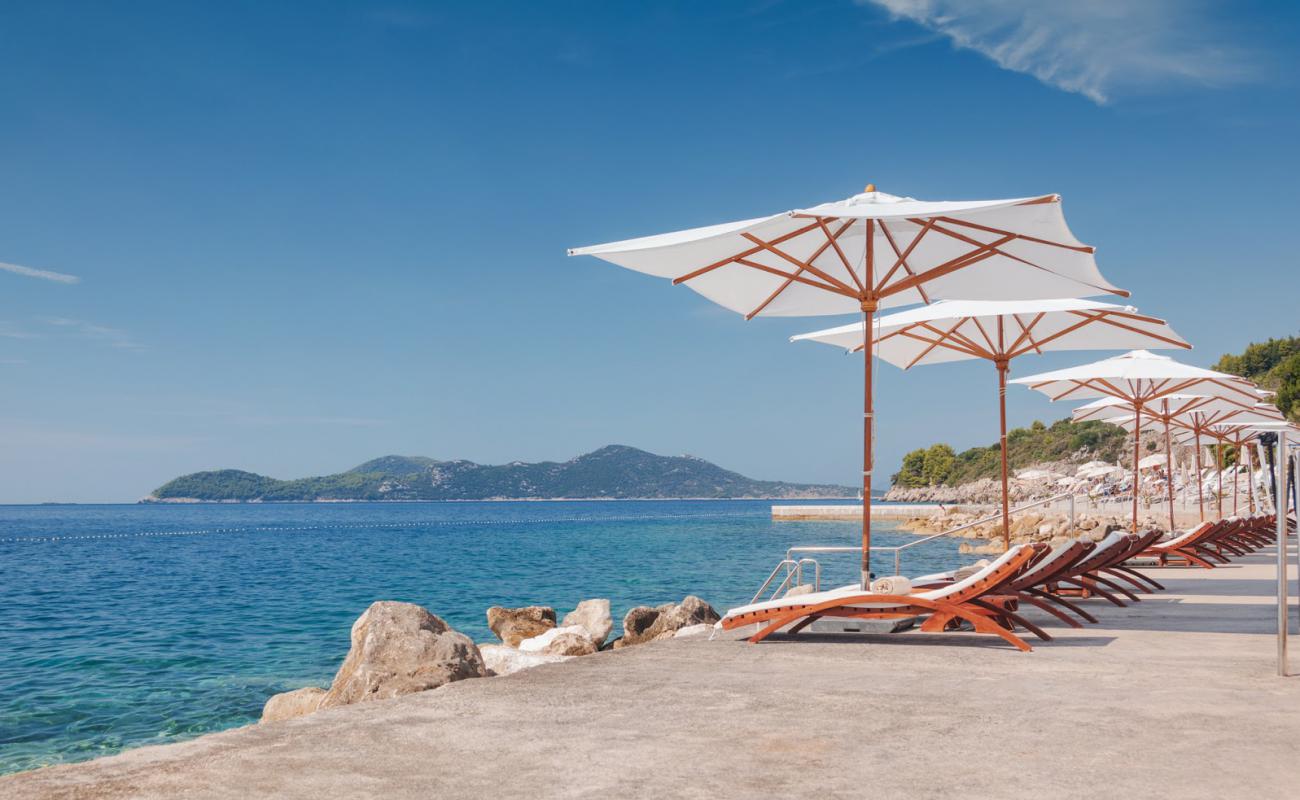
x,y
1096,48
43,274
112,337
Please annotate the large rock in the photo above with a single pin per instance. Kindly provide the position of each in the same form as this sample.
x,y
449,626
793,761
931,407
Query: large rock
x,y
288,705
593,617
568,641
400,648
503,660
645,624
513,625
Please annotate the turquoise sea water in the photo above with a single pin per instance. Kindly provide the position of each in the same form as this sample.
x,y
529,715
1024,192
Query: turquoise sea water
x,y
129,625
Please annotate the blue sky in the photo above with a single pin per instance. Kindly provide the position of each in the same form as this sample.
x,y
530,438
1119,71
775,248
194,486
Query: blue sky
x,y
306,235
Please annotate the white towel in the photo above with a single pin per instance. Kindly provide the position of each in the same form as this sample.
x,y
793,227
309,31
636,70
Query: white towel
x,y
895,584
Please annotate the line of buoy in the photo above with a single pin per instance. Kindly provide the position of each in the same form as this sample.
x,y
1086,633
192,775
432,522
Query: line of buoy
x,y
351,526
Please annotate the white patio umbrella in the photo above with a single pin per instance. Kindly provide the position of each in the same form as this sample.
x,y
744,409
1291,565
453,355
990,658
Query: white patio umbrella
x,y
1193,416
999,331
872,251
1185,408
1153,460
1141,378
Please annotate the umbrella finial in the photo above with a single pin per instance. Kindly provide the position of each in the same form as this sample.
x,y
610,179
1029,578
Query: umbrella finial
x,y
871,187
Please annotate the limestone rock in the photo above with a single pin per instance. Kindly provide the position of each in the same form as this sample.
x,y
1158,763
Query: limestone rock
x,y
400,648
567,641
513,625
503,660
593,617
795,591
645,624
288,705
703,629
571,643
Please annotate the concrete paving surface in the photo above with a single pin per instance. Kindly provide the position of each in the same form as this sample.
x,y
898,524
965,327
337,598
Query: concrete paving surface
x,y
1176,696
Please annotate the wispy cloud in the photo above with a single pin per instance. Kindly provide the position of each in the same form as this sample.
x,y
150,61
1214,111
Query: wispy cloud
x,y
112,337
256,419
43,274
12,330
1096,48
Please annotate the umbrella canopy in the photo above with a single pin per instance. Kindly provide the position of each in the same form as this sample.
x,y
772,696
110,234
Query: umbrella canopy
x,y
1036,475
894,251
1140,378
1191,417
870,251
958,330
999,331
1153,460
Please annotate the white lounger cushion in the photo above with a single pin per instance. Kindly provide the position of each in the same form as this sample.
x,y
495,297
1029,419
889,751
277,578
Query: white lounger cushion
x,y
813,598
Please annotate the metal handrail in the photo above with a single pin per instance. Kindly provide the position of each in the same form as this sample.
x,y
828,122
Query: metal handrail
x,y
898,550
793,569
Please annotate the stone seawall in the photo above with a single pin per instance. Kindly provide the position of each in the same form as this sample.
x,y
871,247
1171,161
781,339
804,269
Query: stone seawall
x,y
854,512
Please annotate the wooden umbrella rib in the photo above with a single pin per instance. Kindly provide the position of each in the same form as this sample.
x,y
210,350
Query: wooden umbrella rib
x,y
833,241
1063,332
960,262
794,277
1104,316
954,332
799,271
746,254
1078,248
941,337
902,259
1026,332
779,253
987,339
1011,236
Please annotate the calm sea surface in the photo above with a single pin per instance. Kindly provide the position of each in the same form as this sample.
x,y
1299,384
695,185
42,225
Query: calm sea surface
x,y
129,625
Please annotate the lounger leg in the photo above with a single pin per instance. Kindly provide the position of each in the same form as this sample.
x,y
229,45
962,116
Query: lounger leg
x,y
1193,559
1014,617
1094,588
1104,582
1141,587
805,622
1129,571
1045,606
1048,596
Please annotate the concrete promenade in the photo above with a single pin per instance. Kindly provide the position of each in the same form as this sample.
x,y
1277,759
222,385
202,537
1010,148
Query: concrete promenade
x,y
1175,696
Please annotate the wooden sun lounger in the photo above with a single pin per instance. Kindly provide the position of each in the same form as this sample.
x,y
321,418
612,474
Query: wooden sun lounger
x,y
1188,547
973,600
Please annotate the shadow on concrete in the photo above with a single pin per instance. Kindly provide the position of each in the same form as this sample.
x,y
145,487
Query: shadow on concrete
x,y
917,638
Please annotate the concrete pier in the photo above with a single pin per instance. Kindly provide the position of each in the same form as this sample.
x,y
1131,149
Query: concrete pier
x,y
854,512
1174,696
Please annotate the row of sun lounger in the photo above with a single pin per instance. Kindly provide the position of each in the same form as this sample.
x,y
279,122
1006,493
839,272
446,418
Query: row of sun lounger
x,y
1051,579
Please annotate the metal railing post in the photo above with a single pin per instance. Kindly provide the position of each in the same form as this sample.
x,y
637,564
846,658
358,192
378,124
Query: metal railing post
x,y
1279,464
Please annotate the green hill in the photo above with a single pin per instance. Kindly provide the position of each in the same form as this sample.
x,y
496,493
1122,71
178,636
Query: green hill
x,y
1063,440
611,472
1275,365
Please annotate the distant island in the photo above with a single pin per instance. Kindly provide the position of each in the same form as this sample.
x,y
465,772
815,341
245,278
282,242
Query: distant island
x,y
615,472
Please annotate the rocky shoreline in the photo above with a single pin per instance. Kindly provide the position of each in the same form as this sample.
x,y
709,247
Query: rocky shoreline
x,y
1026,527
402,648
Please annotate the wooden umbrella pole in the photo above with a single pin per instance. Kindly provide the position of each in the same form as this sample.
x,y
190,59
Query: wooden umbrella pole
x,y
1235,481
868,309
1002,445
1200,484
1137,456
1169,470
1250,478
1218,481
